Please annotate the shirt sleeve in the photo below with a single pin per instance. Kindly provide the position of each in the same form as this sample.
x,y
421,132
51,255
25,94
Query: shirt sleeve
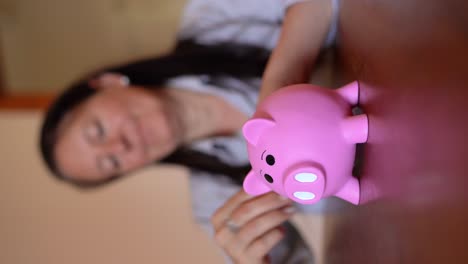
x,y
288,3
254,22
208,193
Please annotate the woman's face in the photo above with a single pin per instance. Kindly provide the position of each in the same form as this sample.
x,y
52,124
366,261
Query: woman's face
x,y
115,131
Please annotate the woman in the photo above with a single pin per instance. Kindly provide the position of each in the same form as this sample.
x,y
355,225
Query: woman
x,y
185,108
308,27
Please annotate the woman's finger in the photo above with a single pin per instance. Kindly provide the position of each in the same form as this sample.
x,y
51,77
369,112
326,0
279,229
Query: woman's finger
x,y
245,223
258,249
254,207
109,79
223,213
257,228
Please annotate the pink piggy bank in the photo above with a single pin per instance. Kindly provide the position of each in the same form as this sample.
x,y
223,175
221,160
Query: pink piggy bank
x,y
301,143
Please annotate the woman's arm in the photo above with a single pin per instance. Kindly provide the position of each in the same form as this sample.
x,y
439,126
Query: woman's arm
x,y
305,29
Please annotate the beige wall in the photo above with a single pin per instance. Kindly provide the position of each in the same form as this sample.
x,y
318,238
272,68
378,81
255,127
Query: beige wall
x,y
145,218
45,44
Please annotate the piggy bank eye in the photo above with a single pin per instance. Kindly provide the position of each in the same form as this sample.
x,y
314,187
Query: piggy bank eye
x,y
270,160
268,178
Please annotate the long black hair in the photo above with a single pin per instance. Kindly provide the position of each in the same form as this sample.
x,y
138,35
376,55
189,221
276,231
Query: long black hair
x,y
188,57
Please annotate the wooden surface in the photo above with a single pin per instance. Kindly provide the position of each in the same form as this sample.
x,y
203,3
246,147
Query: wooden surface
x,y
410,58
25,102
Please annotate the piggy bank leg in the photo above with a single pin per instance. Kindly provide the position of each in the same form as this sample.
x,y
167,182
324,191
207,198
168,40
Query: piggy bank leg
x,y
350,191
350,93
356,128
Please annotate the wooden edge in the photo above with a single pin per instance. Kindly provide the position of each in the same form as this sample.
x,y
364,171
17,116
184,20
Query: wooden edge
x,y
26,101
2,69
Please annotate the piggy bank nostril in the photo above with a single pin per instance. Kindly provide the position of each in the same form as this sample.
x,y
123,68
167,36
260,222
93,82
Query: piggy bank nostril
x,y
304,195
305,177
268,178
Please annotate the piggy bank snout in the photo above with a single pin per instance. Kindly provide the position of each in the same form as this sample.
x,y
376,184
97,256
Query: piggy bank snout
x,y
304,184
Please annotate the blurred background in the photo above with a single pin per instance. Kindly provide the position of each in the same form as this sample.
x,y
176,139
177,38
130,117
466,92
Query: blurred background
x,y
44,45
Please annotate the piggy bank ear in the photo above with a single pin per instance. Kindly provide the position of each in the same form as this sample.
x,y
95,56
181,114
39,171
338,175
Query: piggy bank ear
x,y
254,128
253,185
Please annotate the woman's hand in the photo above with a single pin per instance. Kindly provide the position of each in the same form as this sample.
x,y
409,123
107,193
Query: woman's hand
x,y
109,79
247,227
